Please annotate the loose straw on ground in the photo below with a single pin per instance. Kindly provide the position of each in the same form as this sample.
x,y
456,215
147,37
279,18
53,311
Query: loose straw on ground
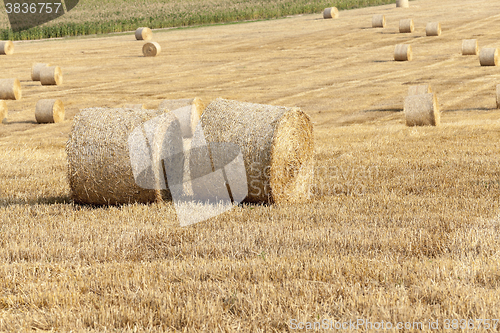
x,y
433,29
143,33
276,143
406,26
403,52
378,21
188,111
470,47
3,111
49,111
331,12
10,89
488,57
6,47
402,3
51,76
421,110
35,71
419,89
151,49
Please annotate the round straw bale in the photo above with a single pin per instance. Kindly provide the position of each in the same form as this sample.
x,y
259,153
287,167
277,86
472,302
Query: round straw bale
x,y
498,96
151,49
331,12
3,110
143,33
276,143
10,89
419,89
488,57
403,52
406,26
49,111
378,21
6,47
470,47
134,106
51,76
402,3
433,29
421,110
35,71
102,167
188,111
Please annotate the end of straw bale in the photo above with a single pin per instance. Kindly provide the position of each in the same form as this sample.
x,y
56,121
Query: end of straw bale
x,y
151,49
402,3
49,111
143,33
6,47
331,12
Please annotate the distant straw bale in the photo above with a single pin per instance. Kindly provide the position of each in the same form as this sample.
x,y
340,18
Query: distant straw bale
x,y
406,26
51,76
49,111
421,110
402,3
331,12
419,89
10,89
6,47
35,70
403,52
143,33
433,29
488,57
470,47
151,49
378,21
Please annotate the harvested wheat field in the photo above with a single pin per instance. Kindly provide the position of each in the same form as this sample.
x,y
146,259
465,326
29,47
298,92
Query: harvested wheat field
x,y
403,227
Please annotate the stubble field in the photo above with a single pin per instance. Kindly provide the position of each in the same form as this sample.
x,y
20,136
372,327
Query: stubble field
x,y
403,227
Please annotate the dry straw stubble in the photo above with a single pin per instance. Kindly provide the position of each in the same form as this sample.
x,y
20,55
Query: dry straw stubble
x,y
6,47
406,26
143,33
35,70
99,162
419,89
277,146
51,76
49,111
378,21
433,29
421,110
151,49
189,113
470,47
10,89
331,12
3,110
402,3
488,57
403,52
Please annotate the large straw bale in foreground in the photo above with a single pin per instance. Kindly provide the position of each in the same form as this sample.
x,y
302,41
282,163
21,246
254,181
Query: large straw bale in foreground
x,y
187,110
470,47
3,110
49,111
10,89
488,57
6,47
331,12
100,167
421,110
276,143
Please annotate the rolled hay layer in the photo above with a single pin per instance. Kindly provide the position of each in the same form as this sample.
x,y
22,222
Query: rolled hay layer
x,y
402,3
488,57
331,12
188,111
134,106
419,89
151,49
403,52
50,76
10,89
6,47
433,29
378,21
3,111
114,155
422,110
470,47
406,26
143,33
49,111
35,71
498,96
276,143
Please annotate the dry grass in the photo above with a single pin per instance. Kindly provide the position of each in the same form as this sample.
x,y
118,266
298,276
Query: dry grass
x,y
405,222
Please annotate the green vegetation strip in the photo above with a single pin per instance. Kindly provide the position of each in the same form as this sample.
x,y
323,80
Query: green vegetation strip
x,y
100,17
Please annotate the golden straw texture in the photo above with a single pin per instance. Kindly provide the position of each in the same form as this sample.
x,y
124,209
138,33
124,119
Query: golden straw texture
x,y
403,52
488,57
134,106
35,71
277,146
470,47
421,110
189,113
143,33
51,76
6,47
402,3
406,26
49,111
419,89
498,96
433,29
378,21
151,49
10,89
3,111
99,163
331,12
